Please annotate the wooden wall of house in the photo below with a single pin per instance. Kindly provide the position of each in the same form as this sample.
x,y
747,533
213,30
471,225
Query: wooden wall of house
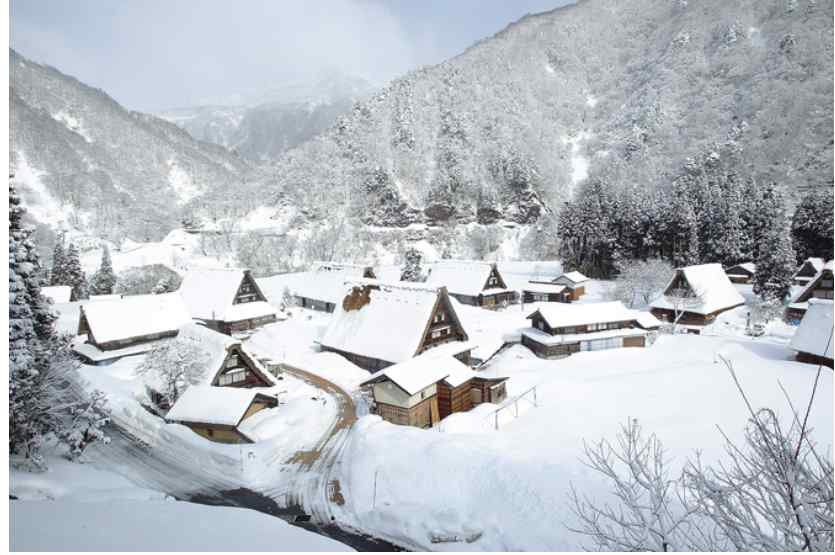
x,y
636,341
218,434
366,363
687,319
550,351
453,399
577,292
422,415
528,297
315,304
130,342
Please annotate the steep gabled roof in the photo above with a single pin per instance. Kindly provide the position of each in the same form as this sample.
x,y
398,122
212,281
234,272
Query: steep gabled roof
x,y
134,316
418,373
574,277
209,294
811,265
745,268
390,326
814,334
222,406
712,290
462,277
560,315
806,293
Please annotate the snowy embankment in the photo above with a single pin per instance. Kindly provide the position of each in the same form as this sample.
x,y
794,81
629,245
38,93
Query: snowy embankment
x,y
77,507
507,489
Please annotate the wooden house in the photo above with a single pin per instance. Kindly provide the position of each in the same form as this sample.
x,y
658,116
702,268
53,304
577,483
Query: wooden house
x,y
819,287
220,414
324,287
227,301
695,296
741,273
423,390
57,293
377,325
808,270
561,330
813,340
113,329
545,292
575,282
227,362
473,283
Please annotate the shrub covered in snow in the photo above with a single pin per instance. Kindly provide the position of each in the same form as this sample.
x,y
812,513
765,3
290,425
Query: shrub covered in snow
x,y
144,280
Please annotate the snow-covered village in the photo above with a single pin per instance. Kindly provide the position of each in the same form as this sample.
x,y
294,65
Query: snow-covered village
x,y
389,276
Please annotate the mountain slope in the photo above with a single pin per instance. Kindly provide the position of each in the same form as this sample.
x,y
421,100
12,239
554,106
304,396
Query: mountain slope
x,y
269,123
620,91
84,159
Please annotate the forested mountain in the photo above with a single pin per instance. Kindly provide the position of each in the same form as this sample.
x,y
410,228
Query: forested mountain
x,y
622,92
264,125
83,158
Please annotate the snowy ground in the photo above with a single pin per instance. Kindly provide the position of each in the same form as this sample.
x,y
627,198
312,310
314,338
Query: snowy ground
x,y
510,485
78,507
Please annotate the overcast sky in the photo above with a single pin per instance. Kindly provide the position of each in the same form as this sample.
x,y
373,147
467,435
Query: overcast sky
x,y
155,54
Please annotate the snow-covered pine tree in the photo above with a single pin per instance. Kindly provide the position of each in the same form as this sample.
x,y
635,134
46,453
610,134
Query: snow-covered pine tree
x,y
812,226
56,276
411,266
43,385
162,286
104,280
776,261
75,275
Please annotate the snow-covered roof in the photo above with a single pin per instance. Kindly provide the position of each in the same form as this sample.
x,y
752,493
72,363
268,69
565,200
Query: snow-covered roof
x,y
322,286
389,327
462,277
574,277
548,339
217,345
816,263
224,406
347,270
94,354
711,286
748,267
105,297
646,320
58,293
806,292
421,371
245,311
209,295
538,287
135,316
814,334
560,315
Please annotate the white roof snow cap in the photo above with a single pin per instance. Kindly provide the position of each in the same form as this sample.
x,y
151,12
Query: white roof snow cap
x,y
713,290
347,270
647,321
58,293
135,316
749,267
209,293
816,263
551,288
422,371
811,283
203,404
575,277
560,315
389,327
461,277
814,334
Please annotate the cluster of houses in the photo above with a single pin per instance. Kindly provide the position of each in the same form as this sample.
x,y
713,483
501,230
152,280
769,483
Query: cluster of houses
x,y
408,336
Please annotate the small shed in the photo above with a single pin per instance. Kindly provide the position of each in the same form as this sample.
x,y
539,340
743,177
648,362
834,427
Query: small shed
x,y
575,282
464,389
814,336
219,413
228,301
741,273
545,292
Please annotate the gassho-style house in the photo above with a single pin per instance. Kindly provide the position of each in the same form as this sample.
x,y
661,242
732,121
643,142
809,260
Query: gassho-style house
x,y
378,324
813,340
695,296
473,283
228,301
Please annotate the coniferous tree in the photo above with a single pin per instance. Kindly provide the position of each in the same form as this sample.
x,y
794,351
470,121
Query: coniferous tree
x,y
776,261
44,397
104,280
58,261
812,226
411,267
75,275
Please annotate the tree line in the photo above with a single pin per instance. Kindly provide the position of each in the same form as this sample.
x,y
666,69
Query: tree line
x,y
712,213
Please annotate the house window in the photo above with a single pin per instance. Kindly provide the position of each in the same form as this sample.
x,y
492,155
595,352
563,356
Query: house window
x,y
439,317
210,432
541,325
235,377
232,361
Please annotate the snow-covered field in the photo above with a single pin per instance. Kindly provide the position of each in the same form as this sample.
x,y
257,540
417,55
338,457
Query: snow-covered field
x,y
75,507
